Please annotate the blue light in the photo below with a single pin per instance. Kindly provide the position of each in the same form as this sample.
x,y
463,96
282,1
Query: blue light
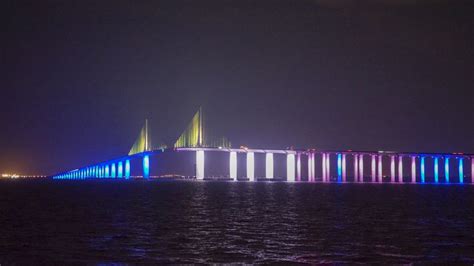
x,y
113,171
107,171
461,171
436,170
146,166
422,169
127,169
446,169
339,167
120,169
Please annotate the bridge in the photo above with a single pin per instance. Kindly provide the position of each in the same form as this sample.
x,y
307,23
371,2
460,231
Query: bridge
x,y
445,168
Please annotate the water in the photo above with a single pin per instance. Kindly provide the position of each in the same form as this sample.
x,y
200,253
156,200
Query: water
x,y
119,221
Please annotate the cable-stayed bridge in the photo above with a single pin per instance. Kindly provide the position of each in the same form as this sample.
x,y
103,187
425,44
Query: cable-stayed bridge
x,y
332,166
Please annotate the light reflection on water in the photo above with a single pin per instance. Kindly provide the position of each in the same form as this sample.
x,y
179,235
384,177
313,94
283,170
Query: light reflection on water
x,y
202,222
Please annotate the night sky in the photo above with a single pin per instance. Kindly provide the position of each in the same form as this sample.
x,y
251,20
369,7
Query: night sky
x,y
78,78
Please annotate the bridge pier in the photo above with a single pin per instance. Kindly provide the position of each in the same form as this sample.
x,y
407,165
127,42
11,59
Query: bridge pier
x,y
422,169
120,169
311,177
356,167
251,166
113,171
233,165
344,170
328,167
436,169
361,167
472,170
446,169
392,168
461,170
200,164
324,167
146,166
374,168
269,165
400,169
380,173
339,167
127,168
413,169
290,167
298,167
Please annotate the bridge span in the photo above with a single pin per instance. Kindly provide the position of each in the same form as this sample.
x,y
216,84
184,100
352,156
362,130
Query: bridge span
x,y
365,166
447,167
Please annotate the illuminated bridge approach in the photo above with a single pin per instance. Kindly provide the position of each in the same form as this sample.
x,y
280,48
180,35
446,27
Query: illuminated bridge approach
x,y
302,165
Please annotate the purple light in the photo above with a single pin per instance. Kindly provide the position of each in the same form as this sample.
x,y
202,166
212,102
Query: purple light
x,y
356,168
344,173
374,168
392,169
298,167
413,169
400,169
380,169
328,172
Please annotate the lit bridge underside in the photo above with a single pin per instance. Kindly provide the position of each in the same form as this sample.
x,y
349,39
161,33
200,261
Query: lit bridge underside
x,y
368,166
332,166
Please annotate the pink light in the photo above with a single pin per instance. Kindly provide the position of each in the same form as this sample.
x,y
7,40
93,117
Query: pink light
x,y
400,169
298,167
344,179
374,169
413,169
328,172
356,168
392,169
324,166
472,169
361,167
380,169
